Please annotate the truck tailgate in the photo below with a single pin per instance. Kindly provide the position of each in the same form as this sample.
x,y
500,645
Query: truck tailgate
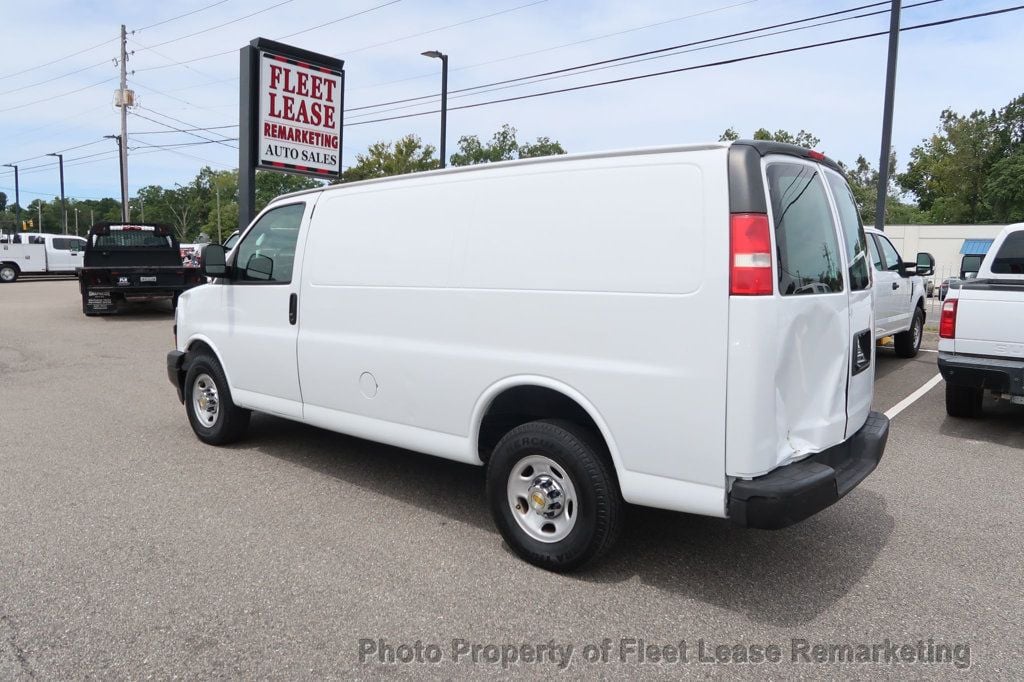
x,y
990,319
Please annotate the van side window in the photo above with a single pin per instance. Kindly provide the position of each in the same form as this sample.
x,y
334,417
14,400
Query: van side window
x,y
1010,258
889,252
805,235
853,231
270,246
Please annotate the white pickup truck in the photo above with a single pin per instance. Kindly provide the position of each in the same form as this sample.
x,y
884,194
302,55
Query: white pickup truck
x,y
898,293
39,253
981,330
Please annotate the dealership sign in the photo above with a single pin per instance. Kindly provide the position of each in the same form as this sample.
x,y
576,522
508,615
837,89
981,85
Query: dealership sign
x,y
300,115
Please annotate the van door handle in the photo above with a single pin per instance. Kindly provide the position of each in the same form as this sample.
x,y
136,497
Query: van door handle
x,y
293,308
895,285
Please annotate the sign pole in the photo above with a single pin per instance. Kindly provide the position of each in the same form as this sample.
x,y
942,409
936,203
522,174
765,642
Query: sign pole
x,y
890,94
248,112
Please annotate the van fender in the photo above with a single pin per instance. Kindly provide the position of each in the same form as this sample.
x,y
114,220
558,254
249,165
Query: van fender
x,y
485,400
202,338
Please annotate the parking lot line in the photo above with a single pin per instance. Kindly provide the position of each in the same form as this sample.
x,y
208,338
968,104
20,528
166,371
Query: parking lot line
x,y
913,397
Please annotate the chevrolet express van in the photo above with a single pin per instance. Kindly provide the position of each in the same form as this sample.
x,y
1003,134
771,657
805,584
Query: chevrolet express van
x,y
688,328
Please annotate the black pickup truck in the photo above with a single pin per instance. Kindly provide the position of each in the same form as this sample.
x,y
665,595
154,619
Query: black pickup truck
x,y
132,261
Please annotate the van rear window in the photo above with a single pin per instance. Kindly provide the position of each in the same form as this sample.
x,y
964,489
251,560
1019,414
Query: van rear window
x,y
805,236
1010,258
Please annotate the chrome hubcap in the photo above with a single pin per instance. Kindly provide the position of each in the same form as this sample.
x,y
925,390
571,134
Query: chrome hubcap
x,y
917,334
542,498
205,402
7,274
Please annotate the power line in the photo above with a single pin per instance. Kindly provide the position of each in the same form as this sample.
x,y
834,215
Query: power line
x,y
616,62
53,97
441,28
184,130
564,45
181,130
226,23
59,59
636,54
698,66
47,81
180,16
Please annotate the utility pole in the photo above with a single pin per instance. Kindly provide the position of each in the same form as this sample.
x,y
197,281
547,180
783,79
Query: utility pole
x,y
76,221
40,207
890,94
92,218
142,203
63,201
216,187
122,141
17,192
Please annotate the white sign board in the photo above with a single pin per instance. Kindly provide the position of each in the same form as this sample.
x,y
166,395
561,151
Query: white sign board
x,y
300,116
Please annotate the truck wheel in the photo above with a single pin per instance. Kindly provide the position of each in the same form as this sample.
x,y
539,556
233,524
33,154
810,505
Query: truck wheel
x,y
963,401
553,494
8,273
213,415
906,344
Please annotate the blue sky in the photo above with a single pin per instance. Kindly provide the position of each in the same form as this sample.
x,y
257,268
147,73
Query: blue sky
x,y
835,92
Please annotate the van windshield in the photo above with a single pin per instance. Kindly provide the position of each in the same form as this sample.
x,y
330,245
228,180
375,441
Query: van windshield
x,y
805,236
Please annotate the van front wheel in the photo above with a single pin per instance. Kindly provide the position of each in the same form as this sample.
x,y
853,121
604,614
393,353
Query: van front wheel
x,y
553,494
213,415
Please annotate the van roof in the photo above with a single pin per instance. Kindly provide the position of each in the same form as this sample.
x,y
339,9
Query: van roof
x,y
762,147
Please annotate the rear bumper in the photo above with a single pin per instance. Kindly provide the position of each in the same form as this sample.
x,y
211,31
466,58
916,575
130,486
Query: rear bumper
x,y
1004,375
176,372
792,493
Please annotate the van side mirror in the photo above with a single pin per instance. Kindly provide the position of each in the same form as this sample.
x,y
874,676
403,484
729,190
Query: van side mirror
x,y
925,264
213,263
259,268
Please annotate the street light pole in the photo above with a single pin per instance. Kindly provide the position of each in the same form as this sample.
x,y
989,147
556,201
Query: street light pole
x,y
216,188
76,221
435,54
63,201
17,192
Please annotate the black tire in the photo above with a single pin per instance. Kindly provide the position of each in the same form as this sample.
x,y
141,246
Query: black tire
x,y
908,343
230,421
598,506
964,401
8,273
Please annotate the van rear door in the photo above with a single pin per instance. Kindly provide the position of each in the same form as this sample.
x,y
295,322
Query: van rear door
x,y
800,374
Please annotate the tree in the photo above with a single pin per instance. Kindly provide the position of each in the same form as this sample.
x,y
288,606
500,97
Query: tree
x,y
802,138
948,171
502,147
863,178
406,155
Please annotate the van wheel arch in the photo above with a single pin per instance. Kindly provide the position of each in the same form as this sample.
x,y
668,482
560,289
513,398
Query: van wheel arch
x,y
524,403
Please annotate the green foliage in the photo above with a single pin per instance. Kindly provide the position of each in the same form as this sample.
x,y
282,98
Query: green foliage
x,y
864,178
382,159
502,147
802,138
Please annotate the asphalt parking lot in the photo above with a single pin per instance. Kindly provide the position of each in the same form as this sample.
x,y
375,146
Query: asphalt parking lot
x,y
129,549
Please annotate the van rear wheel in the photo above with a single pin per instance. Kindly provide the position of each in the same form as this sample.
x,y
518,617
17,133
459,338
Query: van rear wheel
x,y
212,413
906,344
553,494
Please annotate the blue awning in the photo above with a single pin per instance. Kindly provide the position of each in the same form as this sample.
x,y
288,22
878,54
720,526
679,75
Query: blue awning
x,y
976,247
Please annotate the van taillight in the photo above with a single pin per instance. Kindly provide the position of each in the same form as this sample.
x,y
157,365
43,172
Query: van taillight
x,y
947,322
750,258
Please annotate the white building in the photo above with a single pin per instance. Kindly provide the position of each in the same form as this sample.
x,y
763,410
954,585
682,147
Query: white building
x,y
948,243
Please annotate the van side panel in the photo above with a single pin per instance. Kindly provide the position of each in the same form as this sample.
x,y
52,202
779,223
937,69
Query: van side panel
x,y
606,275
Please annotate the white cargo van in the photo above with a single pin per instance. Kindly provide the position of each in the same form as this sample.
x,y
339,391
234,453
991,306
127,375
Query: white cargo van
x,y
39,253
688,328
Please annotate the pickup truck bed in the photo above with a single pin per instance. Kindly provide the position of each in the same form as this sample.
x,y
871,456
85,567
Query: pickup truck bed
x,y
132,261
981,330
